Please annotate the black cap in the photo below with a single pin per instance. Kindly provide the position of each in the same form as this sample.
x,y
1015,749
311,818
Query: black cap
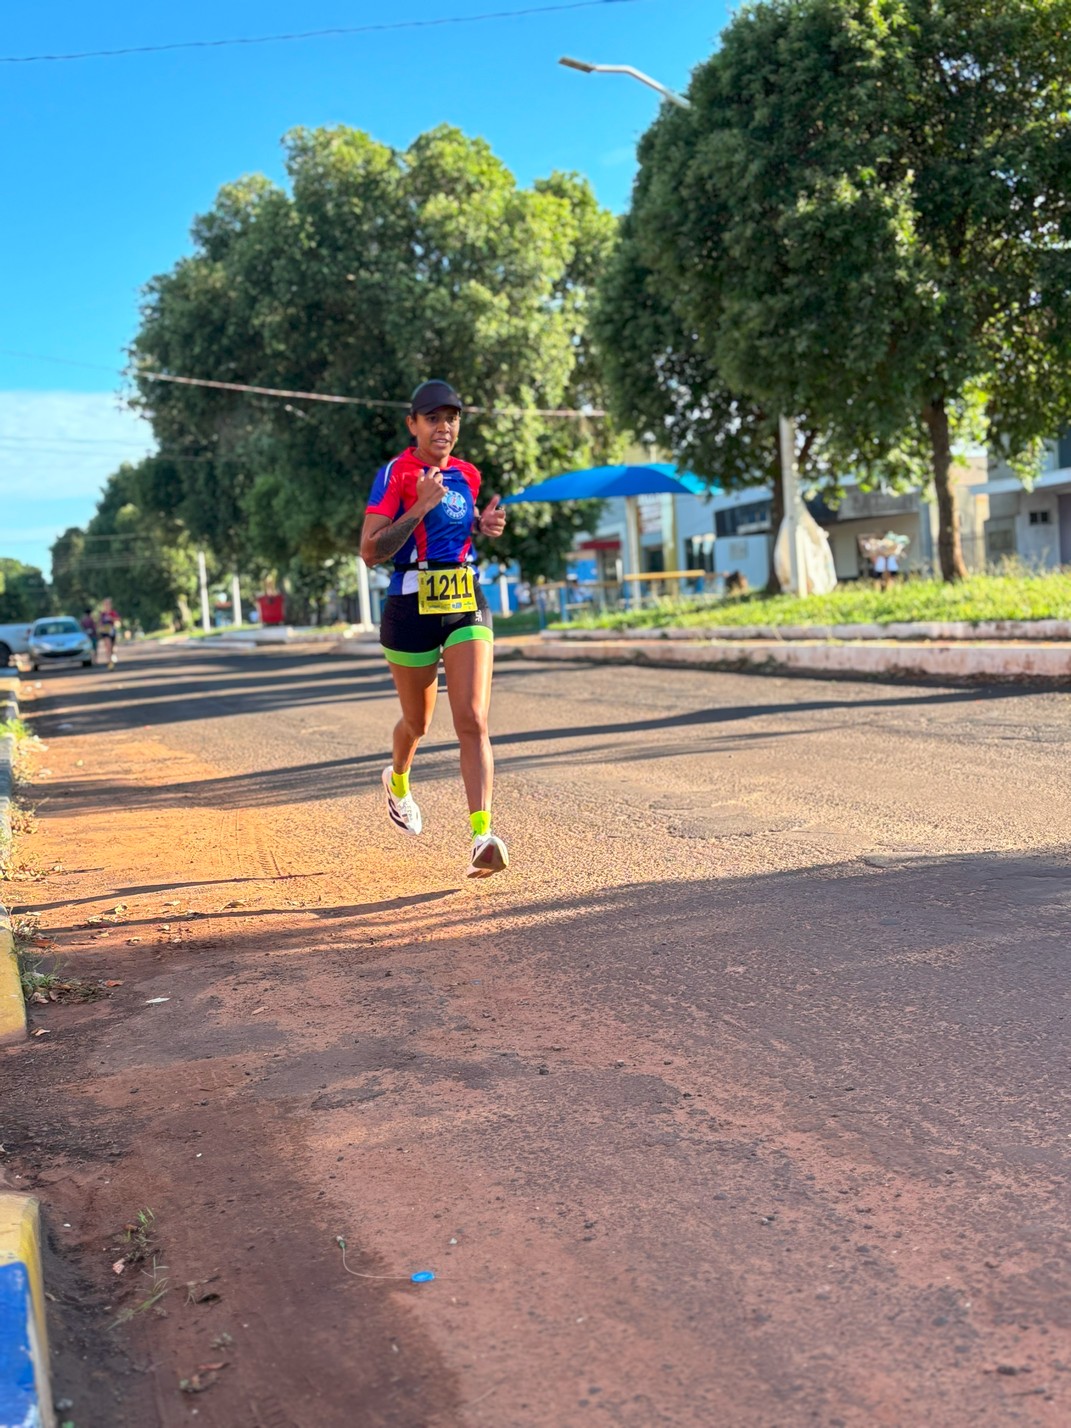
x,y
430,396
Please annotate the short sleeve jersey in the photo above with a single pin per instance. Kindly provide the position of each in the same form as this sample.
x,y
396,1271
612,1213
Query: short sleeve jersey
x,y
444,536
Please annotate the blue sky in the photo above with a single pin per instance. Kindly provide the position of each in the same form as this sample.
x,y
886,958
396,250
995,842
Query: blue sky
x,y
112,158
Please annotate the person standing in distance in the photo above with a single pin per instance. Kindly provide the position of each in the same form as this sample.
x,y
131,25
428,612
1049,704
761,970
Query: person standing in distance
x,y
423,515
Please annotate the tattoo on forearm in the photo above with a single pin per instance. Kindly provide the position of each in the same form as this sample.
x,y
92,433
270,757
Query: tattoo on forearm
x,y
390,539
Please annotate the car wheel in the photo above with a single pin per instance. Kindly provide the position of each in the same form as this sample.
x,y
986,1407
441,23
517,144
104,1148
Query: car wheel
x,y
87,664
5,655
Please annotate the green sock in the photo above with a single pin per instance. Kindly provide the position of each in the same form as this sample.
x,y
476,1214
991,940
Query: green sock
x,y
481,823
399,784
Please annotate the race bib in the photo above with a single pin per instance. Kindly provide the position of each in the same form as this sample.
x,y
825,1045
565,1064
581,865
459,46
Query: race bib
x,y
446,592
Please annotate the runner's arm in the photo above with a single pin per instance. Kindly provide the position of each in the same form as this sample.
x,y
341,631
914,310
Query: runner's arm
x,y
381,537
492,520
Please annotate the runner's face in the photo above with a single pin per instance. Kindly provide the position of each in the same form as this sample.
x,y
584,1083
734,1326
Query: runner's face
x,y
436,432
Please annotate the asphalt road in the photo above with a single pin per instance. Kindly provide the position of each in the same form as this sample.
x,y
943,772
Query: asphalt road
x,y
740,1099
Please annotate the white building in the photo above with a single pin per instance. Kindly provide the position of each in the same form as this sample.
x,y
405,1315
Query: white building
x,y
719,533
1034,524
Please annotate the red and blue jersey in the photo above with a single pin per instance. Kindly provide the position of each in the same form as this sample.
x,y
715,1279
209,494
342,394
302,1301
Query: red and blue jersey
x,y
444,536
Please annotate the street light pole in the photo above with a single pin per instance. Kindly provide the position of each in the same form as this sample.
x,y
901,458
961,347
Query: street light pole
x,y
786,427
585,68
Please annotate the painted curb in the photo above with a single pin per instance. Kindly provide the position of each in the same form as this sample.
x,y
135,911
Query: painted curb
x,y
25,1395
9,709
985,630
1050,664
12,1003
7,784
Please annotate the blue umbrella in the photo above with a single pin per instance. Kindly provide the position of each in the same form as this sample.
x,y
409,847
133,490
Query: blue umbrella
x,y
604,482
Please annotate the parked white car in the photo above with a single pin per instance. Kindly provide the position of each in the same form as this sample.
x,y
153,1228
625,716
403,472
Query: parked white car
x,y
14,640
59,639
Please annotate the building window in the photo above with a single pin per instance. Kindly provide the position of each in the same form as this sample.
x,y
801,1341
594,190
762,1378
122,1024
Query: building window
x,y
1041,518
999,540
743,520
699,553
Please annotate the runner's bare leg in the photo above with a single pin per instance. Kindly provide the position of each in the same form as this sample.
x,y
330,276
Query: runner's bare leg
x,y
417,687
469,666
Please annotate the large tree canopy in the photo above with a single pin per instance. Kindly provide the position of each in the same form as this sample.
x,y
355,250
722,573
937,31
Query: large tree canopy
x,y
23,592
129,553
864,218
376,270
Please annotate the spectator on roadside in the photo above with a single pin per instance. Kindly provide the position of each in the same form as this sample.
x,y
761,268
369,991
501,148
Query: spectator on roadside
x,y
89,624
886,569
108,624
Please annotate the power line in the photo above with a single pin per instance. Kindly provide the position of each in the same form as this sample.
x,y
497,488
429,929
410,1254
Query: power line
x,y
61,361
364,401
126,443
331,397
316,34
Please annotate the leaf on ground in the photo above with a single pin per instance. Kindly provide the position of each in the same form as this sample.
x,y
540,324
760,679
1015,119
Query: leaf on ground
x,y
195,1383
119,1266
43,1031
235,902
132,941
114,983
120,907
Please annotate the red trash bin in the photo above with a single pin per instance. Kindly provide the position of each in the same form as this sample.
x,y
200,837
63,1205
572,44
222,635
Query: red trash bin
x,y
271,609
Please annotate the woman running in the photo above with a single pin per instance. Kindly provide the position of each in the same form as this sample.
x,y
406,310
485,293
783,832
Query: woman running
x,y
423,516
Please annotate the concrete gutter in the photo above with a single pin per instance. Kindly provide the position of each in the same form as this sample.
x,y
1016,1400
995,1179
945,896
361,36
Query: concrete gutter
x,y
25,1396
947,661
986,631
12,1004
268,635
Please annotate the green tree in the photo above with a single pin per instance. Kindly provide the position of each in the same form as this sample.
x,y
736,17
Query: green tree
x,y
24,592
129,553
376,269
864,218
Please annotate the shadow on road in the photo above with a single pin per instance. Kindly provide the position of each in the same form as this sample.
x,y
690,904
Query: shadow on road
x,y
223,686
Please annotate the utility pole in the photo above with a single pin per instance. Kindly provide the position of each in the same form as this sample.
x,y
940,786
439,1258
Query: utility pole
x,y
787,426
202,573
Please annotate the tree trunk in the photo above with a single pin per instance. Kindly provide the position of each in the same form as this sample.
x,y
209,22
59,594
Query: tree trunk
x,y
949,549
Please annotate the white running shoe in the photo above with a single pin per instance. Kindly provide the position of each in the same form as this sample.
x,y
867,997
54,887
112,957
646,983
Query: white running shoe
x,y
489,855
404,813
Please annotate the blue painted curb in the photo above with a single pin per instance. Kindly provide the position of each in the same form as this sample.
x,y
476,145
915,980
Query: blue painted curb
x,y
25,1395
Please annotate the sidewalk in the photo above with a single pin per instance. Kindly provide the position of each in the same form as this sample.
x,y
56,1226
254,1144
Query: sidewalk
x,y
945,660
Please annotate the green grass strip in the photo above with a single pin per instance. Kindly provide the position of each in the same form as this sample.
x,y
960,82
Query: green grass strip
x,y
982,597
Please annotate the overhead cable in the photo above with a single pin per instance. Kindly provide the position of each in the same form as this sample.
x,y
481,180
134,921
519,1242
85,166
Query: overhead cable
x,y
316,34
364,401
330,397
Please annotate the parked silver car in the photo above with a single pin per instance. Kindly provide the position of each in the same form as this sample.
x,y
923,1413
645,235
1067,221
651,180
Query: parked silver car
x,y
59,639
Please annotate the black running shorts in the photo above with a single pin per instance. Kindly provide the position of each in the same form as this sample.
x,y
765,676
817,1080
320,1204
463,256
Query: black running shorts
x,y
408,637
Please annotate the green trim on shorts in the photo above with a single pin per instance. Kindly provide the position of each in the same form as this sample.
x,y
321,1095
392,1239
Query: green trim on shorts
x,y
414,661
468,632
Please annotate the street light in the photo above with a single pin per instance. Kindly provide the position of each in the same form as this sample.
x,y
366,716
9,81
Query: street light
x,y
786,426
585,68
